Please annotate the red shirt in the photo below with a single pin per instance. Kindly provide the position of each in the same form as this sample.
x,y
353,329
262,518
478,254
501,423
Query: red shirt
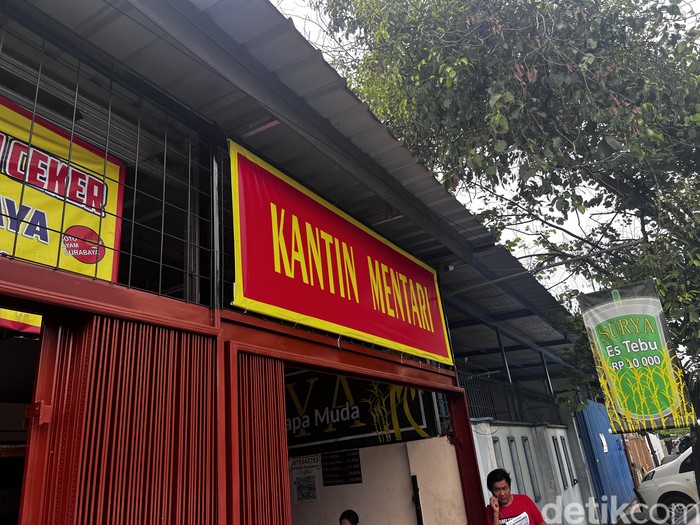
x,y
521,504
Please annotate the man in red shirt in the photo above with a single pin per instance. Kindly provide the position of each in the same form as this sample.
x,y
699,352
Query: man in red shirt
x,y
507,508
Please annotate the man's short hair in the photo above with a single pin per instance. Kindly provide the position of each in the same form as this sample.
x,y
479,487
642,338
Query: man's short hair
x,y
351,516
497,475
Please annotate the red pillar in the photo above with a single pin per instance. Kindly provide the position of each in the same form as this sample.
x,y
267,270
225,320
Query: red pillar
x,y
466,458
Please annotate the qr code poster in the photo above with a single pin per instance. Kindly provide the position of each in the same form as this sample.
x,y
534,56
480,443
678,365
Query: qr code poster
x,y
305,473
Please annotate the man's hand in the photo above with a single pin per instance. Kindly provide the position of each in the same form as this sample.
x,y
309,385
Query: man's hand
x,y
494,505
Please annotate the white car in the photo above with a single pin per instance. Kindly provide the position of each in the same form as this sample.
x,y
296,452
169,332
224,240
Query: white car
x,y
670,488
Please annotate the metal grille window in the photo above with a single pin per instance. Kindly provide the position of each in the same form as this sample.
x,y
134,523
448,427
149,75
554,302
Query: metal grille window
x,y
165,242
506,402
227,249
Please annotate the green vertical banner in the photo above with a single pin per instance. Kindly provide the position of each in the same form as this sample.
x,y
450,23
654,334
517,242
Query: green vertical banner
x,y
639,373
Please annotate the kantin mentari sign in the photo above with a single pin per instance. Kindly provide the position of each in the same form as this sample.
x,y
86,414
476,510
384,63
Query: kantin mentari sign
x,y
301,259
639,372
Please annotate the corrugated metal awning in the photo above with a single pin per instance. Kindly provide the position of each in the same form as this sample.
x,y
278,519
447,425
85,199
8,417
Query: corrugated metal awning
x,y
244,66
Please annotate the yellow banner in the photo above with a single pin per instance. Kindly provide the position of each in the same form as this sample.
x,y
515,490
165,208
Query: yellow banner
x,y
60,198
20,321
640,374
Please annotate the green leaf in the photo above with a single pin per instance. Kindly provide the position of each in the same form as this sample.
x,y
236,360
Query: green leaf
x,y
499,123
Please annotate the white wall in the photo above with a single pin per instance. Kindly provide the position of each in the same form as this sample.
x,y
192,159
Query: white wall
x,y
483,435
434,463
565,471
385,495
543,469
486,433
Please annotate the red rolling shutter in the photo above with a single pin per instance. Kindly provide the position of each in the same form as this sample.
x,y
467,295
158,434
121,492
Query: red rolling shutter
x,y
123,428
264,474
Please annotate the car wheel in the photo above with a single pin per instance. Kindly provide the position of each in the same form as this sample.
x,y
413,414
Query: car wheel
x,y
672,507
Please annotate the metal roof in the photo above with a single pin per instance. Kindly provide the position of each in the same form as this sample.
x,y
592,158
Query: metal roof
x,y
244,66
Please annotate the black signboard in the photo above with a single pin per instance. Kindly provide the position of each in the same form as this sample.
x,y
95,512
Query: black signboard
x,y
341,468
331,412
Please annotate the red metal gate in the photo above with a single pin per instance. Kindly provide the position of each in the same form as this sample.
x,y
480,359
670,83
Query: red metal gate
x,y
264,477
123,426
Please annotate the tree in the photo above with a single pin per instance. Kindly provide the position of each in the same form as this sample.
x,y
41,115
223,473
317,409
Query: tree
x,y
573,123
552,110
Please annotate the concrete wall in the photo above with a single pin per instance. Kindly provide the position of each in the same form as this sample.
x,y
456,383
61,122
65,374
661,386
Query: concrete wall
x,y
385,495
434,463
549,481
501,445
577,455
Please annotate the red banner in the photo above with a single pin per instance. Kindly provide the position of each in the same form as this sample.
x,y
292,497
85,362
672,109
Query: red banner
x,y
301,259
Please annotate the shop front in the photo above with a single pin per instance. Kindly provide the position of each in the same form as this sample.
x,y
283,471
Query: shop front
x,y
341,407
354,430
187,333
132,422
